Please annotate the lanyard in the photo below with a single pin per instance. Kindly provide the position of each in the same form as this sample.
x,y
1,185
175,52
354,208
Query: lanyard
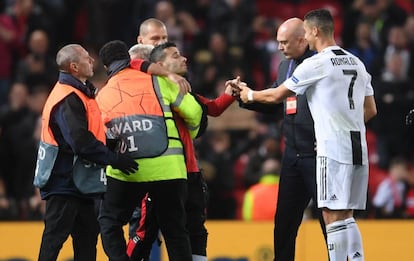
x,y
289,72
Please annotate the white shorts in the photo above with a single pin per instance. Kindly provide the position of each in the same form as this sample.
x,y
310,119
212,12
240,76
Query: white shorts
x,y
341,186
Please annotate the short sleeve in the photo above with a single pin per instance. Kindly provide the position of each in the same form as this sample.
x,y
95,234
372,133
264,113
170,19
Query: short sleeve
x,y
305,75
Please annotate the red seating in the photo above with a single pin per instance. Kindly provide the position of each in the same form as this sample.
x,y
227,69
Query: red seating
x,y
273,8
406,5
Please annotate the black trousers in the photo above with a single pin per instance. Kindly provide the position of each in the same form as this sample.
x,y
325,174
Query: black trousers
x,y
297,186
168,199
196,210
143,229
69,216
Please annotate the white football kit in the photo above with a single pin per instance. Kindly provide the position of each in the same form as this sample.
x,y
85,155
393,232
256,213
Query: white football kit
x,y
335,83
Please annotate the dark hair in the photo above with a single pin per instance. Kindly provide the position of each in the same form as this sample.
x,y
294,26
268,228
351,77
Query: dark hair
x,y
113,51
322,19
157,54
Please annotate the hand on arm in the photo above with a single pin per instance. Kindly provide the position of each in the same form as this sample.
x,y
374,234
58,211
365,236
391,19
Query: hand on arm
x,y
182,83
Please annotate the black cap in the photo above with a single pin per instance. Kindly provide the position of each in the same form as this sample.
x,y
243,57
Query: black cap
x,y
113,51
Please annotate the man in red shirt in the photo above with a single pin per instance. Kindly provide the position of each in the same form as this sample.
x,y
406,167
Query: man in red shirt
x,y
168,56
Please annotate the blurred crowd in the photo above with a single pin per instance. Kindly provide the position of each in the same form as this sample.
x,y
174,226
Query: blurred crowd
x,y
221,39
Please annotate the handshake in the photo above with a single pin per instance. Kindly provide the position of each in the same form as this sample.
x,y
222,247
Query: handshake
x,y
239,89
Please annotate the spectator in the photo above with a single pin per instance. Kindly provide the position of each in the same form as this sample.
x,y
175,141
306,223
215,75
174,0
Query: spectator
x,y
165,12
28,16
260,199
268,147
389,197
12,119
234,19
363,47
214,64
8,40
394,139
38,67
220,156
397,58
408,200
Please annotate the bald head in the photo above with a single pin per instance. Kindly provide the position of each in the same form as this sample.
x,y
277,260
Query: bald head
x,y
291,38
292,27
152,31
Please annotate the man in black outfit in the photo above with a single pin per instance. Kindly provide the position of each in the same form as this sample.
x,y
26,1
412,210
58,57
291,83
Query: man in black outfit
x,y
297,183
72,147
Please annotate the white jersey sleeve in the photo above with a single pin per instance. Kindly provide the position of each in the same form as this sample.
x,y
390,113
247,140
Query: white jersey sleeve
x,y
335,83
305,75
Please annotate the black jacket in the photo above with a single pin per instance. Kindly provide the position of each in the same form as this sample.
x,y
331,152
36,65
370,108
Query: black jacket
x,y
297,128
70,128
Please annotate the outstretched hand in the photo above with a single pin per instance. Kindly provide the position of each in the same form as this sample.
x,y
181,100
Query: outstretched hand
x,y
239,89
233,86
183,84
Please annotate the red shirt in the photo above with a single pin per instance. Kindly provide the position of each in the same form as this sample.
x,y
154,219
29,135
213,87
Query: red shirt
x,y
214,108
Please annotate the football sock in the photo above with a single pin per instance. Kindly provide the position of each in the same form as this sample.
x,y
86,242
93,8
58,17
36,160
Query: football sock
x,y
355,249
337,238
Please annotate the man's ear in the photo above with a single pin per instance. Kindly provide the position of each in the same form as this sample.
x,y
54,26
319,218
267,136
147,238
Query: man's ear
x,y
73,67
139,39
315,31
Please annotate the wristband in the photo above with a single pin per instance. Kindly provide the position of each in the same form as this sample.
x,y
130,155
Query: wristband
x,y
250,95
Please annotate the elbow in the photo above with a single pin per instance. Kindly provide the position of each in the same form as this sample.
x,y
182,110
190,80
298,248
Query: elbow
x,y
214,113
370,114
373,111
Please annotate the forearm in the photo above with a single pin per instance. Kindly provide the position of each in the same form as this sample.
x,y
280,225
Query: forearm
x,y
217,106
268,96
157,69
262,108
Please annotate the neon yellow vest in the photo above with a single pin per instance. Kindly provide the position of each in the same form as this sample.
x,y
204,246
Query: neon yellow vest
x,y
133,94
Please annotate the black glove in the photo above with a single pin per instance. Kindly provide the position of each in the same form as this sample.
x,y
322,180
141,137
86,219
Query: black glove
x,y
409,119
125,164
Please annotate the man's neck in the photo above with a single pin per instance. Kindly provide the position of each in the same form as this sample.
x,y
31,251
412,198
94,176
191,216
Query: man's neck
x,y
324,44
